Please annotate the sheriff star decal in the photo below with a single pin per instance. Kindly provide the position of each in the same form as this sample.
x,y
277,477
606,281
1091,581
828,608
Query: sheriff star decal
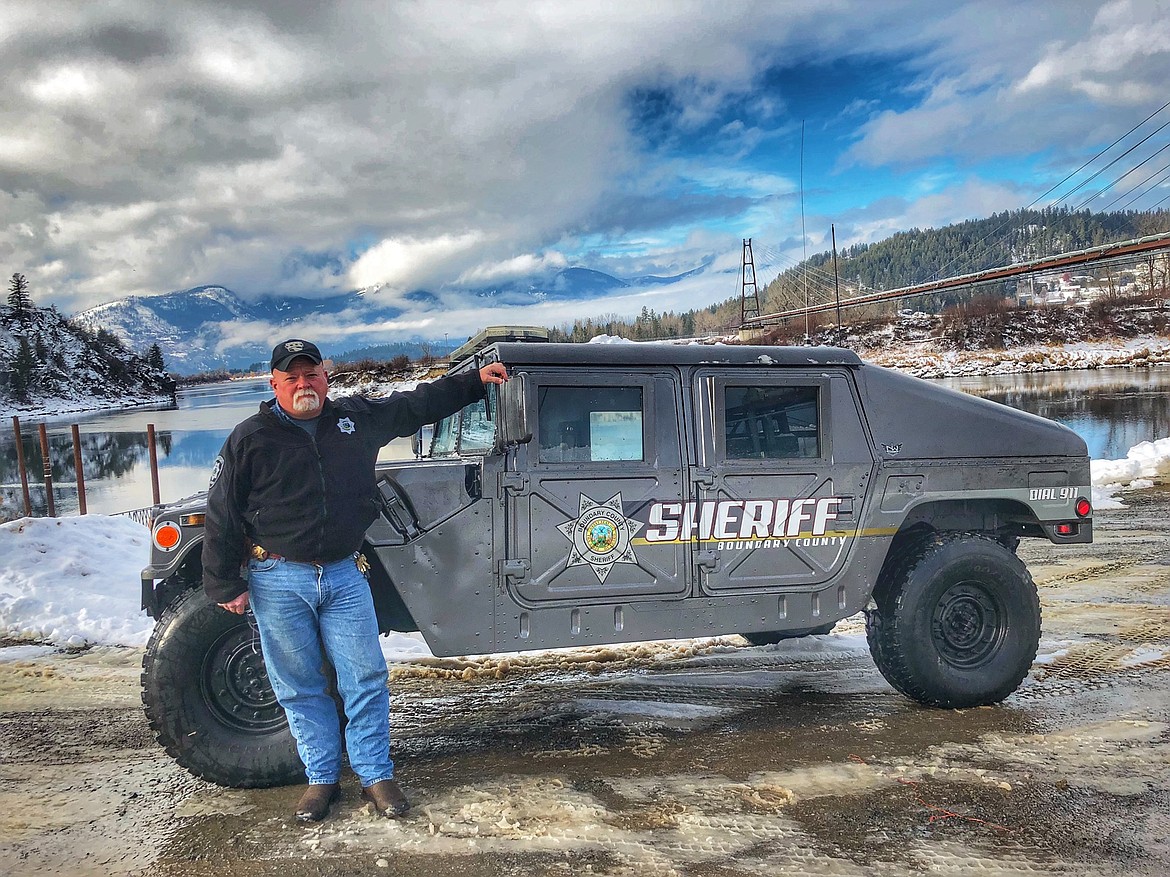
x,y
346,426
601,535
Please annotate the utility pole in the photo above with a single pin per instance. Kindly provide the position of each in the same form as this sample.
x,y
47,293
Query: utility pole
x,y
749,297
836,283
803,235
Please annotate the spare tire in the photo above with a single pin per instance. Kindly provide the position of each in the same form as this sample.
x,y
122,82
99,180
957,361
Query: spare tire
x,y
208,699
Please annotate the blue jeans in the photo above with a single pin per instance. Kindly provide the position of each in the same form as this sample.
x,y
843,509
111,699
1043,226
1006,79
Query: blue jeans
x,y
299,608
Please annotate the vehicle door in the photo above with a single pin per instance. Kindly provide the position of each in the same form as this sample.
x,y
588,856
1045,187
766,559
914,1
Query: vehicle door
x,y
782,470
605,448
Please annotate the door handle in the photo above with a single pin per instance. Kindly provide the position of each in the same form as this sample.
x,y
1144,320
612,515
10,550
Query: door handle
x,y
708,560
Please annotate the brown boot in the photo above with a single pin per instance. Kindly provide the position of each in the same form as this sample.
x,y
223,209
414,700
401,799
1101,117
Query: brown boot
x,y
316,801
387,798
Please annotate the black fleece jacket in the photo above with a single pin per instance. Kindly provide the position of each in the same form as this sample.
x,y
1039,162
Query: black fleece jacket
x,y
310,498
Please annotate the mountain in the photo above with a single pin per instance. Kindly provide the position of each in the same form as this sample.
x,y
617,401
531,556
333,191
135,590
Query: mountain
x,y
194,327
48,363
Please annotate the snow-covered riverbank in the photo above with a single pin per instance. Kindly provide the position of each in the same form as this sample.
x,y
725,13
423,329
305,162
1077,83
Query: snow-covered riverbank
x,y
78,404
924,359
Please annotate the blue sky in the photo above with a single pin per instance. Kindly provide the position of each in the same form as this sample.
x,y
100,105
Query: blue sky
x,y
307,148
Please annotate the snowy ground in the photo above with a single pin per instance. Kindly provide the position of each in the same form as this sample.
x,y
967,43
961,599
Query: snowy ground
x,y
924,360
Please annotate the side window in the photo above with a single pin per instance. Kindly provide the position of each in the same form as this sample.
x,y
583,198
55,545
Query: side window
x,y
477,434
771,423
446,432
587,424
467,431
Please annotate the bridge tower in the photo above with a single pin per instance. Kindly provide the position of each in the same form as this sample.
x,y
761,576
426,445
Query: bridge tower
x,y
749,300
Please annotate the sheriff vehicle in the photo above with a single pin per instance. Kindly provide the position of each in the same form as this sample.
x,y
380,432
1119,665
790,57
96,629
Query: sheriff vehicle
x,y
628,492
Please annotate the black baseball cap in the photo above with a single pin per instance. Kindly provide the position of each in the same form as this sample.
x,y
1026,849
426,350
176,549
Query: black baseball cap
x,y
286,351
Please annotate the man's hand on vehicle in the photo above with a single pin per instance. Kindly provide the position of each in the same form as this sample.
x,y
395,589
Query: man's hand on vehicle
x,y
239,605
493,373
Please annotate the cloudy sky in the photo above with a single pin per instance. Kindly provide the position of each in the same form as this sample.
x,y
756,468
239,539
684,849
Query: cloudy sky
x,y
305,147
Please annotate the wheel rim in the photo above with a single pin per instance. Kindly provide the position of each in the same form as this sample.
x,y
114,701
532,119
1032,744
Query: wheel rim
x,y
235,683
967,626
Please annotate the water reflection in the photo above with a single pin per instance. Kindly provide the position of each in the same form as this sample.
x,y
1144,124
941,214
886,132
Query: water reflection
x,y
115,456
1112,409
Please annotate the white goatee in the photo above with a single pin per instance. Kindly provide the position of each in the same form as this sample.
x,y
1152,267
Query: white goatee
x,y
305,401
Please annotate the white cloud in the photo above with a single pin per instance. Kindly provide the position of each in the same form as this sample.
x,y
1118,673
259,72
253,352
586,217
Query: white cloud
x,y
519,266
311,148
408,263
1128,41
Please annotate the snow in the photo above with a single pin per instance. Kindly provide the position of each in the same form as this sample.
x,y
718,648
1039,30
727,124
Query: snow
x,y
79,402
73,581
1142,464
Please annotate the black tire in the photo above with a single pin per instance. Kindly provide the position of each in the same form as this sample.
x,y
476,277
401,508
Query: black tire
x,y
956,623
209,701
771,637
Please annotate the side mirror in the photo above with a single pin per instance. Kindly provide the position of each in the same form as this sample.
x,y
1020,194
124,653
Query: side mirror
x,y
513,428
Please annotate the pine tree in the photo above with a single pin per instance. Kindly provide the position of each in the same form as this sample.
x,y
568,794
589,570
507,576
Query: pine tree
x,y
154,358
18,297
23,366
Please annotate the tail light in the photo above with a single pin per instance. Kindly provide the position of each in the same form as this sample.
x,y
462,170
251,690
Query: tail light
x,y
1084,508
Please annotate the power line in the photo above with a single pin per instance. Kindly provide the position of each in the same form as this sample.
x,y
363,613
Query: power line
x,y
1116,160
1049,191
1138,186
823,281
1045,194
1141,195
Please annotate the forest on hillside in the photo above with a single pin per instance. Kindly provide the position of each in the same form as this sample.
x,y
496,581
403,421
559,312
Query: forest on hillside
x,y
903,259
45,356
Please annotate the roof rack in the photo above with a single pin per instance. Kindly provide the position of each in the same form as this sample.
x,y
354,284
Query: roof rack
x,y
492,334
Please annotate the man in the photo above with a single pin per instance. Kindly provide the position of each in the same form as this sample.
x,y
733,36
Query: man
x,y
291,495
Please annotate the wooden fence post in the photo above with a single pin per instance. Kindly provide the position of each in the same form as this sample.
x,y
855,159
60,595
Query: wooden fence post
x,y
153,461
48,471
21,466
77,467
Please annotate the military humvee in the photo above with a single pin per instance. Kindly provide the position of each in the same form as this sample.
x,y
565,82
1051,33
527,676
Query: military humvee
x,y
618,493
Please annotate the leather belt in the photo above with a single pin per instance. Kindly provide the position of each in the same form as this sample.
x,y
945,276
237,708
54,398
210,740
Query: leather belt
x,y
259,552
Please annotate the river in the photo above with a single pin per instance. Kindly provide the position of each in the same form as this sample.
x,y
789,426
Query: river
x,y
1111,409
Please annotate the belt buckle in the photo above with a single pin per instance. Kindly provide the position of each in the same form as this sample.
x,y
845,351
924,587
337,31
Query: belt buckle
x,y
259,553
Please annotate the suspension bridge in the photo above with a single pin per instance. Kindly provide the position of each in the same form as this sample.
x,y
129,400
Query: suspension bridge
x,y
1124,252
